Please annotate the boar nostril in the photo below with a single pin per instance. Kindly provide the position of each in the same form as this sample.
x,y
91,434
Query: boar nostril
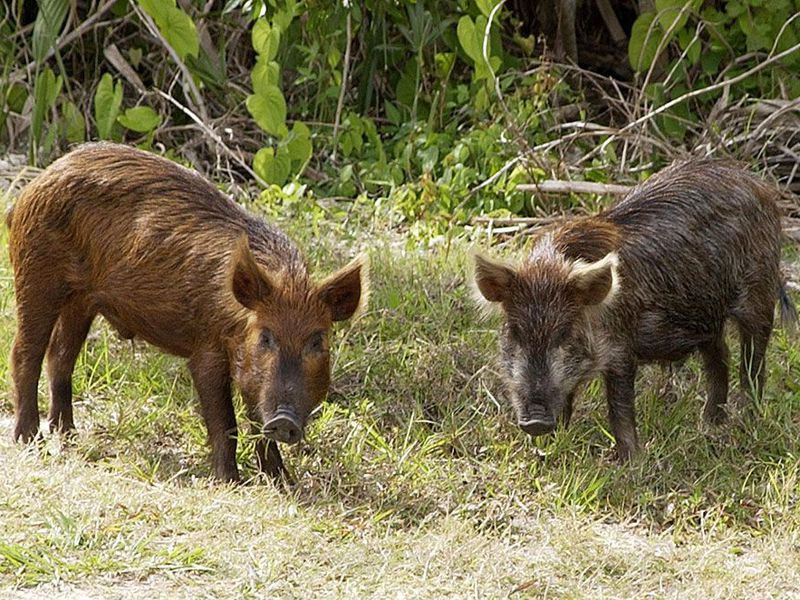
x,y
536,427
284,427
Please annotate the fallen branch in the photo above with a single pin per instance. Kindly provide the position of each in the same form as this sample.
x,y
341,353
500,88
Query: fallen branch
x,y
509,221
555,186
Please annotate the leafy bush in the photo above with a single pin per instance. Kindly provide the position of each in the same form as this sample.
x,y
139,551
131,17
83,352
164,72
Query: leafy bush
x,y
419,102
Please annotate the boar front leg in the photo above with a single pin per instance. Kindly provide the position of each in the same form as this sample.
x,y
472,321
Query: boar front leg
x,y
715,365
211,376
268,455
620,396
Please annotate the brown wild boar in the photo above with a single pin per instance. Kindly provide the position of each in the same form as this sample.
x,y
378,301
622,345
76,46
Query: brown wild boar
x,y
654,278
165,257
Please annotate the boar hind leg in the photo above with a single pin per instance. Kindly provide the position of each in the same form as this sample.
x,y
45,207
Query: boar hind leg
x,y
211,376
715,365
36,316
752,367
65,345
621,410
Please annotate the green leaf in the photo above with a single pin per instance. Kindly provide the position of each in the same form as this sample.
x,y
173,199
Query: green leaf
x,y
393,113
48,25
268,109
158,9
444,64
74,123
107,100
271,168
140,118
175,25
284,17
467,38
45,92
264,75
16,97
298,143
643,45
690,45
669,11
486,6
266,39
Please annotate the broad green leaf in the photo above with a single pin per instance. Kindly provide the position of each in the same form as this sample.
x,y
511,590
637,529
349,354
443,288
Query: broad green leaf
x,y
268,109
16,97
74,123
158,9
107,100
284,17
643,45
266,39
175,25
486,6
140,118
265,74
45,92
271,168
298,143
393,113
669,11
467,38
48,25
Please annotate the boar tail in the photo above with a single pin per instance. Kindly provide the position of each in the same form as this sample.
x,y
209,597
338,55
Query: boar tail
x,y
788,311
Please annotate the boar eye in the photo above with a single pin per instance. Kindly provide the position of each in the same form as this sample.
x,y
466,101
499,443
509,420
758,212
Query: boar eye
x,y
316,344
560,336
267,341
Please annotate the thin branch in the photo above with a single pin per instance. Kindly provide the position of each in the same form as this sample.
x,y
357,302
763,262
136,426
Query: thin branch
x,y
555,186
496,175
507,221
711,88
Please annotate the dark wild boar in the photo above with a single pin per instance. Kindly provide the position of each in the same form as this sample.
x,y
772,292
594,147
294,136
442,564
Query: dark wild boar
x,y
166,257
654,278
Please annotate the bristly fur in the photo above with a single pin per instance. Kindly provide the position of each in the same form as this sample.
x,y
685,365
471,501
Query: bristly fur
x,y
164,256
694,246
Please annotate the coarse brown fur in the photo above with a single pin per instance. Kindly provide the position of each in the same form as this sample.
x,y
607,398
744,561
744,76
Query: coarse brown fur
x,y
165,257
654,278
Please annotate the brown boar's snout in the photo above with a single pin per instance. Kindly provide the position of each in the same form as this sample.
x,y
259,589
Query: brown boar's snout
x,y
284,426
537,420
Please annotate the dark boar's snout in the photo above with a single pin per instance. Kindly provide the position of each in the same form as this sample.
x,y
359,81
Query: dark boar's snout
x,y
284,426
537,420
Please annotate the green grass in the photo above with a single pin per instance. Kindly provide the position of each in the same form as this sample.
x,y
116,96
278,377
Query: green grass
x,y
413,480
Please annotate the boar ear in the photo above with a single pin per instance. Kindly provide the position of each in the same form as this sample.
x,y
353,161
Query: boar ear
x,y
493,278
346,290
597,282
249,283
